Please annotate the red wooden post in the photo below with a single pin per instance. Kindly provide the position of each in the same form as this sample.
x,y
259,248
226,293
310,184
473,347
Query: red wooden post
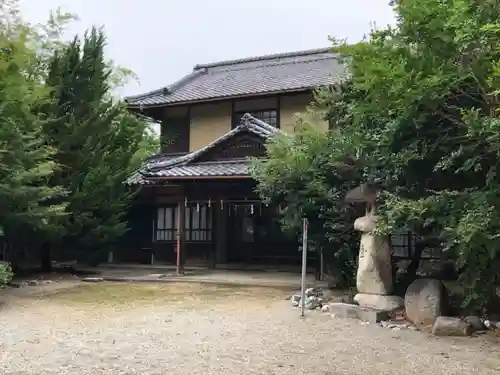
x,y
180,238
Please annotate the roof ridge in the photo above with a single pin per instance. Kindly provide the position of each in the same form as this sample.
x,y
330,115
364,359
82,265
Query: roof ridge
x,y
267,63
263,58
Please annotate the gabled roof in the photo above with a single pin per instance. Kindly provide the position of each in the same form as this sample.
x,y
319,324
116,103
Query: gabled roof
x,y
188,165
286,72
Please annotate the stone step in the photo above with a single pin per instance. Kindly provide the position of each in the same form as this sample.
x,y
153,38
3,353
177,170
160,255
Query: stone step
x,y
351,311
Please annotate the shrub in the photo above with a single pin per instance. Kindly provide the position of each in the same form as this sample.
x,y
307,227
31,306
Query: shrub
x,y
5,273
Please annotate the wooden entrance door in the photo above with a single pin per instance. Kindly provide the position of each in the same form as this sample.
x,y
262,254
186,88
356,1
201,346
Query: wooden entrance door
x,y
255,236
241,232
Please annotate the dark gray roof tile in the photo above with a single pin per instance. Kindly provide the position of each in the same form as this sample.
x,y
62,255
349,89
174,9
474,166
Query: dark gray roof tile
x,y
207,169
257,75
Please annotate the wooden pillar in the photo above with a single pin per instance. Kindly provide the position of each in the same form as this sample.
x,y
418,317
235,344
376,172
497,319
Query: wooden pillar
x,y
220,232
181,248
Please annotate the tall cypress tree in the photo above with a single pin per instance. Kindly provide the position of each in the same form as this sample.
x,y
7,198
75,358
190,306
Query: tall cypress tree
x,y
27,205
96,140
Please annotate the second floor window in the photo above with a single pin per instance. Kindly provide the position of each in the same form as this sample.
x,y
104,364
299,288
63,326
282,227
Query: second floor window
x,y
268,116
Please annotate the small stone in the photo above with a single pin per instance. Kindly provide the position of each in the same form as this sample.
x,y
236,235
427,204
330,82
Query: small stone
x,y
396,328
47,282
295,300
16,284
488,324
312,302
32,282
311,292
497,325
475,322
328,294
450,326
413,328
325,308
92,279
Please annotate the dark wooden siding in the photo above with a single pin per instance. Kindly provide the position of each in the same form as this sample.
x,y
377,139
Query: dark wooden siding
x,y
242,146
175,134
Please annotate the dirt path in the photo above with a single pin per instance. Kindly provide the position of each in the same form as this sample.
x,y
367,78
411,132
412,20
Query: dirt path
x,y
192,329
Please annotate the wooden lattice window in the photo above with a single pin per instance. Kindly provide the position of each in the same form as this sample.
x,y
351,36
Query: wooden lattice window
x,y
198,223
166,224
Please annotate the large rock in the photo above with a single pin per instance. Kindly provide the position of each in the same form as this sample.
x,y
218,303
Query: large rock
x,y
374,274
450,326
425,300
379,302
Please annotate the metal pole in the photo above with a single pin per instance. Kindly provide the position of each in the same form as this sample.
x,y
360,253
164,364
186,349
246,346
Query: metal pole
x,y
178,240
304,268
321,267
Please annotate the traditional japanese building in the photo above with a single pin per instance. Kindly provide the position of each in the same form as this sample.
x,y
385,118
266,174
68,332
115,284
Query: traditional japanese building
x,y
197,203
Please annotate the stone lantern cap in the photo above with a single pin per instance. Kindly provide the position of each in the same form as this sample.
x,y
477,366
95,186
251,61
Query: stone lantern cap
x,y
364,193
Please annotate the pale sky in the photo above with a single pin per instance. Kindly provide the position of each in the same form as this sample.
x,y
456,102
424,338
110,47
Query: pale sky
x,y
162,40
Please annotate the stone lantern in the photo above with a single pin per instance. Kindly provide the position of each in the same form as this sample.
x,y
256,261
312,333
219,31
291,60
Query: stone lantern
x,y
374,275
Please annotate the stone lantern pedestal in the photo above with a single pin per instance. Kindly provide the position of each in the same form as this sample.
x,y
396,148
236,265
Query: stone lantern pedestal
x,y
374,275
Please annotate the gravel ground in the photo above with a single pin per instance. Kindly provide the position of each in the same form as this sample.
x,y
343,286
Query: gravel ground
x,y
248,333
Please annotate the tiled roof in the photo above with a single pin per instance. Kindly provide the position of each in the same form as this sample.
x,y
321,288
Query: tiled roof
x,y
206,169
285,72
185,166
137,178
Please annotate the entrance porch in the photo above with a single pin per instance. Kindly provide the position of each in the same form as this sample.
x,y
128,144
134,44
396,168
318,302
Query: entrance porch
x,y
201,208
222,225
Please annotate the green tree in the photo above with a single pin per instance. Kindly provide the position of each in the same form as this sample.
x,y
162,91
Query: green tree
x,y
422,115
96,140
27,203
148,146
307,174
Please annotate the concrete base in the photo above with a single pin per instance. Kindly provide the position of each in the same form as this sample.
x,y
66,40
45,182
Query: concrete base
x,y
379,302
347,310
